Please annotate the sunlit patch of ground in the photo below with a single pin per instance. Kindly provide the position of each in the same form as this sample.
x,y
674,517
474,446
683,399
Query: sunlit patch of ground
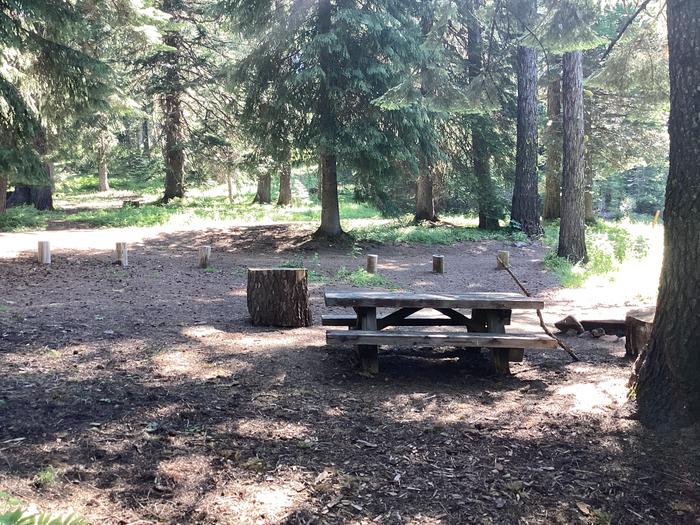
x,y
596,398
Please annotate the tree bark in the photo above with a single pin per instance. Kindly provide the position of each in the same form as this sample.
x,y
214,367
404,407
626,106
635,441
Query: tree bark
x,y
173,125
525,211
278,297
146,140
285,195
588,169
668,388
425,202
489,212
572,231
264,193
3,193
330,210
552,196
102,163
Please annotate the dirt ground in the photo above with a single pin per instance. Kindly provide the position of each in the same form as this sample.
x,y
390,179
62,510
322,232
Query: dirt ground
x,y
154,400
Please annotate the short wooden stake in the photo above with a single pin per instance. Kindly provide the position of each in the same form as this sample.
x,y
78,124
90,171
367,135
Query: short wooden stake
x,y
44,252
122,254
502,260
438,264
204,254
372,263
656,218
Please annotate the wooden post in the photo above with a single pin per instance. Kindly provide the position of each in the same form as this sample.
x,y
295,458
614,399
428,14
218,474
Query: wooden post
x,y
656,218
204,254
278,297
438,264
44,252
372,263
496,321
502,260
368,354
122,254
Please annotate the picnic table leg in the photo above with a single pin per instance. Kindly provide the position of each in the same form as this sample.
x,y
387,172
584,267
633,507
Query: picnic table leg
x,y
368,354
495,324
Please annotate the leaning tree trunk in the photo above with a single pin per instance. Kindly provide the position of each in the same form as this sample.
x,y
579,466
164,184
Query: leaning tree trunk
x,y
668,388
174,124
525,211
278,297
572,231
330,210
264,193
552,195
285,196
489,213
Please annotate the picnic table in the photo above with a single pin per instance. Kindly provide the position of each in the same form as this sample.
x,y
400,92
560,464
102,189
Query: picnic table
x,y
484,327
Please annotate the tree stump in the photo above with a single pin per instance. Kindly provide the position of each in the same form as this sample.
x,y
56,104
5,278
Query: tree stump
x,y
372,263
638,325
279,297
438,264
502,259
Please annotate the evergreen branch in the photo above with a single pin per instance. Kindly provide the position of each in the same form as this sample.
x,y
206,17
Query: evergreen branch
x,y
624,27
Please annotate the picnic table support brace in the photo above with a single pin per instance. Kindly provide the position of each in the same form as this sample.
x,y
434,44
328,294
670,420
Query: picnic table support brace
x,y
368,354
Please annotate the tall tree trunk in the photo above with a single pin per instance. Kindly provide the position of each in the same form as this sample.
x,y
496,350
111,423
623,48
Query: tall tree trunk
x,y
425,201
489,212
3,193
425,198
264,193
572,231
552,195
525,210
173,125
285,195
588,168
668,388
330,210
102,163
146,140
229,185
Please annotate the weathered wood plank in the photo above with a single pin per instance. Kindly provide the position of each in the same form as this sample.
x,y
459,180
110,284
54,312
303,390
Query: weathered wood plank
x,y
400,320
498,301
471,340
368,353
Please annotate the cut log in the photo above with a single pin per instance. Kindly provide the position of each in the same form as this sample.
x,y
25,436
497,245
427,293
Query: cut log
x,y
638,325
122,254
570,323
279,297
611,326
438,264
44,252
204,254
372,263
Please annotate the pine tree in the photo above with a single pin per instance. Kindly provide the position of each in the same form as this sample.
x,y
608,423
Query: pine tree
x,y
668,387
54,79
525,211
552,197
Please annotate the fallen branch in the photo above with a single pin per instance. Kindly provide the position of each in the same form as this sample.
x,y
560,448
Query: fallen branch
x,y
547,331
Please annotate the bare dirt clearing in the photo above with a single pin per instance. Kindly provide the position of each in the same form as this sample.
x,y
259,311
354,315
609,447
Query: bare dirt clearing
x,y
155,401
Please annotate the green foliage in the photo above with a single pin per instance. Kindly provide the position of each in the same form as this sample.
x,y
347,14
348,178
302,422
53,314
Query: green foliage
x,y
362,279
403,231
608,246
45,477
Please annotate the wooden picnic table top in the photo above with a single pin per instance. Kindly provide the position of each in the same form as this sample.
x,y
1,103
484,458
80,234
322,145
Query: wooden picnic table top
x,y
478,300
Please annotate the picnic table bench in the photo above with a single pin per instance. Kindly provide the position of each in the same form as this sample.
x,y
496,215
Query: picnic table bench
x,y
485,328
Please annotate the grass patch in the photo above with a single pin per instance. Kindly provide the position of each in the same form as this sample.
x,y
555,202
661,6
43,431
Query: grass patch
x,y
608,245
404,231
361,279
45,477
14,511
